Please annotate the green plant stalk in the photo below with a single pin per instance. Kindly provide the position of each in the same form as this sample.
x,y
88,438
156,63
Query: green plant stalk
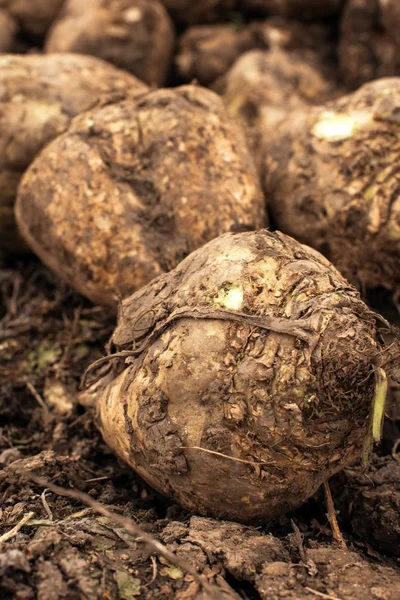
x,y
377,414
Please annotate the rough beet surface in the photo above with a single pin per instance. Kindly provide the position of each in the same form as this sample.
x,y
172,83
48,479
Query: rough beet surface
x,y
39,96
248,377
331,175
135,35
263,86
134,186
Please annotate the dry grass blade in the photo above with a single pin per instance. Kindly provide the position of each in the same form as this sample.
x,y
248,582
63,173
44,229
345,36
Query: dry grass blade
x,y
10,534
45,505
321,595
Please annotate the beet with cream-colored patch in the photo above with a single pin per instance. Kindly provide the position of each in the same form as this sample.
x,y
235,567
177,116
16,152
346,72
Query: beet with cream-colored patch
x,y
242,379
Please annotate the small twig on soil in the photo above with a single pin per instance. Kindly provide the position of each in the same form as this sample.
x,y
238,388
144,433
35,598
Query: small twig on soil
x,y
40,401
42,523
320,594
45,505
10,534
79,514
306,562
299,540
50,523
132,528
154,567
331,514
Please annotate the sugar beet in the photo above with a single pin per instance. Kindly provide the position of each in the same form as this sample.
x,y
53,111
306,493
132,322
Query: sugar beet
x,y
39,96
263,86
135,35
207,51
331,174
248,377
135,185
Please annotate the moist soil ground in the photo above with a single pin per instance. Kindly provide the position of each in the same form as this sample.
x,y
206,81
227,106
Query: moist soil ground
x,y
62,548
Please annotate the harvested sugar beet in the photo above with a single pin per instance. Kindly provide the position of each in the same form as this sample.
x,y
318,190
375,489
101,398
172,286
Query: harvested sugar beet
x,y
39,96
206,52
263,86
134,186
135,35
242,379
331,173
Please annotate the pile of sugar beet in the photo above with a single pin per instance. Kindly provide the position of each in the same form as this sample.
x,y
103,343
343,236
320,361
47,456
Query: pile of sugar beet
x,y
199,299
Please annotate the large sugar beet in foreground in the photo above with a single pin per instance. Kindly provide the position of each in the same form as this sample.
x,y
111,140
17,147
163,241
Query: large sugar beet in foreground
x,y
134,186
248,377
331,174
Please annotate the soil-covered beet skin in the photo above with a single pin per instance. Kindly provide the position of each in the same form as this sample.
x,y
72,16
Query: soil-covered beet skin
x,y
268,84
244,377
134,186
135,35
331,174
39,96
264,85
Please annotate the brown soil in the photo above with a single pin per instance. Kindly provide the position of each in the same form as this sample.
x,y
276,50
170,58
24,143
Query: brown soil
x,y
48,336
